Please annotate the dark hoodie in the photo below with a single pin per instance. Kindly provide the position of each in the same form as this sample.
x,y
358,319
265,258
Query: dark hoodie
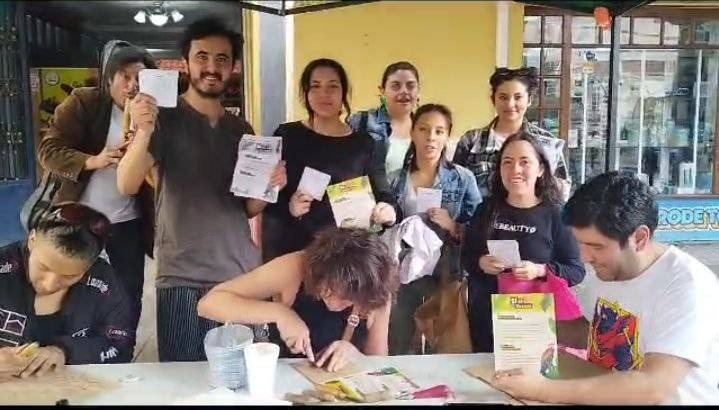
x,y
92,326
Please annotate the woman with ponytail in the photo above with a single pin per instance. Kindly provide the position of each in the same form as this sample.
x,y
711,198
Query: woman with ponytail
x,y
60,302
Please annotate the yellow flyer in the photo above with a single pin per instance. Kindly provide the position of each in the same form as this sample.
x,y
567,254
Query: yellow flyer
x,y
352,202
525,332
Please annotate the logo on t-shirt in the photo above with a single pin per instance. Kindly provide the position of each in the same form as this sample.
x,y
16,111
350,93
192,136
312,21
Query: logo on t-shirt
x,y
614,337
6,267
503,226
12,327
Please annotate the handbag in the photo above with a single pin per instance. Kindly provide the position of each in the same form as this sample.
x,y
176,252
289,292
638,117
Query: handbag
x,y
566,304
443,318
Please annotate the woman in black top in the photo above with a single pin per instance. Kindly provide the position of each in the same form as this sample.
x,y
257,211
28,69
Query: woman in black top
x,y
524,206
344,276
57,292
327,144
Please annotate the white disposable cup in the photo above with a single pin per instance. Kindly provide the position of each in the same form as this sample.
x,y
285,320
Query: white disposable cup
x,y
261,364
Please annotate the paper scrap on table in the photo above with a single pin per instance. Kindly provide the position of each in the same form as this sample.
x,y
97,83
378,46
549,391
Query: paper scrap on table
x,y
223,396
257,158
428,198
505,250
314,183
160,84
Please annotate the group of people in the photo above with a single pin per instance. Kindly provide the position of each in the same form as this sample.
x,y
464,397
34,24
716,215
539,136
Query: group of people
x,y
329,293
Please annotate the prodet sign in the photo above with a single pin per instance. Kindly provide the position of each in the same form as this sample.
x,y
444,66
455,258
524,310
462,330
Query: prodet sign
x,y
688,220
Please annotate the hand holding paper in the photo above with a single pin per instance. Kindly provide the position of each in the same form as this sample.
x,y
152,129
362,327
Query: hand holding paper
x,y
314,183
428,198
505,250
160,84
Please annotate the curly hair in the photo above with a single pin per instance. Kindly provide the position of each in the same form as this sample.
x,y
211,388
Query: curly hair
x,y
615,203
354,264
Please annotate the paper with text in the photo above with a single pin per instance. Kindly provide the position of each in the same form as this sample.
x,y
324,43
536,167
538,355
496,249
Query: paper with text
x,y
505,250
257,158
428,198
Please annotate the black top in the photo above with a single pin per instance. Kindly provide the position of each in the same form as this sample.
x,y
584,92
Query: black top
x,y
342,158
92,325
325,325
541,235
542,238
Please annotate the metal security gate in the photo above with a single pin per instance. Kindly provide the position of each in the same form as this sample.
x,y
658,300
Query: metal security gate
x,y
17,169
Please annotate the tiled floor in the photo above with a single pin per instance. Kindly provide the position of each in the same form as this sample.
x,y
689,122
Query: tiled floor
x,y
146,349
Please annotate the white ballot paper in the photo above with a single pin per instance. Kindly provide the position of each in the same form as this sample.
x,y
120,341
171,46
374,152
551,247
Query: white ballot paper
x,y
160,84
505,250
257,158
428,198
352,202
314,183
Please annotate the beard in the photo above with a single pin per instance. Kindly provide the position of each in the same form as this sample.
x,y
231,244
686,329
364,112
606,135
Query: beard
x,y
196,83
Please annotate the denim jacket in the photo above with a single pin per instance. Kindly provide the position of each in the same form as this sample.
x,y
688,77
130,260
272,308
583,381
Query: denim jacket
x,y
460,195
377,123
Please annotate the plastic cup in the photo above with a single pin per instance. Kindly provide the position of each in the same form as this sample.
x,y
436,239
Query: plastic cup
x,y
261,361
224,348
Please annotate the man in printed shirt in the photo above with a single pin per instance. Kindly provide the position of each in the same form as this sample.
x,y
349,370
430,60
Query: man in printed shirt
x,y
654,316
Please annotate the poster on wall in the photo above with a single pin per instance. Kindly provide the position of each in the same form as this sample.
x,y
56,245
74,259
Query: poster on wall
x,y
54,84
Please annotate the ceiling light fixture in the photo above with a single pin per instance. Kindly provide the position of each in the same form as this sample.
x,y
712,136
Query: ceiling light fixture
x,y
158,14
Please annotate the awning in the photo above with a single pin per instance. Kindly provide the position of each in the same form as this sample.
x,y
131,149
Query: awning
x,y
286,8
616,8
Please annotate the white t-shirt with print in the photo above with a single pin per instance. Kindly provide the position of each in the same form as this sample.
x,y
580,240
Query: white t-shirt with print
x,y
672,309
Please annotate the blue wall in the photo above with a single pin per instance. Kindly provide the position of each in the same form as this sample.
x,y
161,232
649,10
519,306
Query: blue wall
x,y
688,219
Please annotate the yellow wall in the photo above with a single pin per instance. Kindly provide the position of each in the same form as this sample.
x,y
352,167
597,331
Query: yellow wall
x,y
452,43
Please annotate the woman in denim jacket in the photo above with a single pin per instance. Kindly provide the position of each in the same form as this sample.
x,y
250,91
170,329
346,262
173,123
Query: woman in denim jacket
x,y
391,123
427,167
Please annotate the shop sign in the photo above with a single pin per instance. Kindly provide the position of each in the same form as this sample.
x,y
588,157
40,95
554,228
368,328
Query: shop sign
x,y
688,219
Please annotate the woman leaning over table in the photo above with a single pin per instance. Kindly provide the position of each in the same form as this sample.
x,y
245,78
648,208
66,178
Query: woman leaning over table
x,y
314,294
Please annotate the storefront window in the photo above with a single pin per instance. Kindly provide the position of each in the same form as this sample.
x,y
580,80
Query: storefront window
x,y
584,30
532,29
676,32
707,32
668,97
666,128
646,31
553,29
588,128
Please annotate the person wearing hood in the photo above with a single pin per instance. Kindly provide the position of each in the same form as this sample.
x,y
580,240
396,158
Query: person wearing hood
x,y
81,151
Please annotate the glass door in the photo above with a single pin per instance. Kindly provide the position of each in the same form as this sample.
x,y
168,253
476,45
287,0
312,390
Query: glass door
x,y
666,120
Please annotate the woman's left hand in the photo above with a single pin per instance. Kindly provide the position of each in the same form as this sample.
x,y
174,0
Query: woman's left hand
x,y
279,176
384,214
441,217
337,355
519,384
528,271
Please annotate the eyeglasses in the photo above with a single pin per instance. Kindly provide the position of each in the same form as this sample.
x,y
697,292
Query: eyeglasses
x,y
81,215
